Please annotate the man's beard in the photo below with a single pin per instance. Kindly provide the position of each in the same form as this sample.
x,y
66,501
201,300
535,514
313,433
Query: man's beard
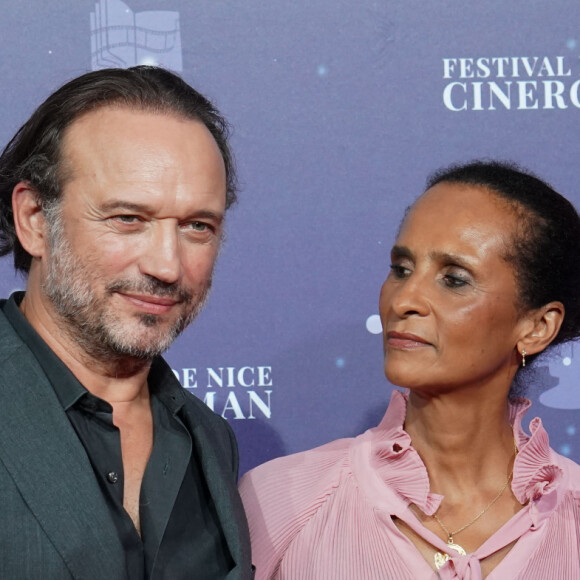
x,y
92,323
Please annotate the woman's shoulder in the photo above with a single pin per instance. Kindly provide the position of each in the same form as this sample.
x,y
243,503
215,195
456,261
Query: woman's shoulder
x,y
327,461
283,495
311,469
570,473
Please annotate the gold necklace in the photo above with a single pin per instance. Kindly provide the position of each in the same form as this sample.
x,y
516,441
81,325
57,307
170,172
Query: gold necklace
x,y
440,558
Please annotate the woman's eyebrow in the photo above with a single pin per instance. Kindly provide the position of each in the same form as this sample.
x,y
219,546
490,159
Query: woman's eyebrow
x,y
402,252
447,258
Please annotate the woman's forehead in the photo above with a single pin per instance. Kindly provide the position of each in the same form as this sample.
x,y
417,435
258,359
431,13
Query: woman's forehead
x,y
451,200
451,213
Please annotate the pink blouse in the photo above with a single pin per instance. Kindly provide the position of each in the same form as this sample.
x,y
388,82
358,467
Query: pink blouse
x,y
325,514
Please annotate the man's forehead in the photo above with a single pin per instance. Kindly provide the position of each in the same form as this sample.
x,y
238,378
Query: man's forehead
x,y
113,117
117,130
134,155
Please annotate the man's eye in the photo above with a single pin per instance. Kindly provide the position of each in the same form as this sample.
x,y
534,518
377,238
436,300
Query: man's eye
x,y
198,226
127,219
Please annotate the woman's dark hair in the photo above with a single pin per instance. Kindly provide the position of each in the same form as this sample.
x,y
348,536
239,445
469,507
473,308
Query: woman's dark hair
x,y
34,153
546,250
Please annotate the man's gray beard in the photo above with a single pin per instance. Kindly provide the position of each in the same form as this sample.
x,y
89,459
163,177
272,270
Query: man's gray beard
x,y
86,318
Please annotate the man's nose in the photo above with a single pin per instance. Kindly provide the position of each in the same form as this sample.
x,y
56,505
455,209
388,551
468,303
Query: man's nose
x,y
161,258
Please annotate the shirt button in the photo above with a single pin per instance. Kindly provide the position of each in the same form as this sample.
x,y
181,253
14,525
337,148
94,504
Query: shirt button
x,y
113,477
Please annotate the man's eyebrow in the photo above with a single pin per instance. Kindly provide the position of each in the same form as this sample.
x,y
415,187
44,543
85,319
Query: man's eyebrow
x,y
146,209
128,205
208,215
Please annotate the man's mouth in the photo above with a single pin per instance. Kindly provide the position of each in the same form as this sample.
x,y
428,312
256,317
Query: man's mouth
x,y
149,303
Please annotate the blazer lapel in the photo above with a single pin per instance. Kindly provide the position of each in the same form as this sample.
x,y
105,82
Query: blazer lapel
x,y
221,484
48,463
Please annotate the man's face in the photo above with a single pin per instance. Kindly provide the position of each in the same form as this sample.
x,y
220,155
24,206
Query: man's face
x,y
133,241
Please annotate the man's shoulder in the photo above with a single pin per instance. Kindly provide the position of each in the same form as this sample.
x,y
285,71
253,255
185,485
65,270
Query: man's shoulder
x,y
9,339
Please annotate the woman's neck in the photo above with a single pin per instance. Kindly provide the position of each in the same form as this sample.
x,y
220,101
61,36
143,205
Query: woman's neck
x,y
463,439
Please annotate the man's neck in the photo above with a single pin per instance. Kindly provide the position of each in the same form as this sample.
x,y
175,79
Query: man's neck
x,y
119,379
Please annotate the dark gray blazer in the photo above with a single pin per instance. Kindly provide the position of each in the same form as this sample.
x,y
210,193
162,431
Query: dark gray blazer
x,y
54,523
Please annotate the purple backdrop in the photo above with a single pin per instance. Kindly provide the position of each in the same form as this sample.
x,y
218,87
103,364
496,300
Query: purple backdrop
x,y
340,110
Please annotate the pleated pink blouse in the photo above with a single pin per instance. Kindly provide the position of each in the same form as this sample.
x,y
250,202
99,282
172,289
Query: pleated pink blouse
x,y
325,514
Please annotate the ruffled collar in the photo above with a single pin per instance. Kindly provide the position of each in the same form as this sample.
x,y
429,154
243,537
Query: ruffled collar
x,y
394,460
535,473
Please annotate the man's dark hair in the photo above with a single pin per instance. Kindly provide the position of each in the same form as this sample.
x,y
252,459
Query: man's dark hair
x,y
546,250
34,153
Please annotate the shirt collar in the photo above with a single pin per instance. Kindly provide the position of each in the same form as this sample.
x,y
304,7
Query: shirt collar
x,y
396,461
164,385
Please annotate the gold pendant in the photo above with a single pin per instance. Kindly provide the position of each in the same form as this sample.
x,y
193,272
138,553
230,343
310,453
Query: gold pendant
x,y
440,558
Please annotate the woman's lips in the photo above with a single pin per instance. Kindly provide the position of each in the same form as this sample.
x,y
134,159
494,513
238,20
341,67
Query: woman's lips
x,y
405,340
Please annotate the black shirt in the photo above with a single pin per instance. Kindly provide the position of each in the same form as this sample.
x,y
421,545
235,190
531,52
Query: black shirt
x,y
180,531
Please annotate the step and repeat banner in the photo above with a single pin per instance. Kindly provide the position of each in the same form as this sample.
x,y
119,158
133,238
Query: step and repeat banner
x,y
340,110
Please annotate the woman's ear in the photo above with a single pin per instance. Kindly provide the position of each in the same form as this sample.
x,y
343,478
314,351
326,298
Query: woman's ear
x,y
29,220
545,325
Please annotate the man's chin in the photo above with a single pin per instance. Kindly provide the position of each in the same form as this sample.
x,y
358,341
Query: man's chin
x,y
144,350
145,338
150,320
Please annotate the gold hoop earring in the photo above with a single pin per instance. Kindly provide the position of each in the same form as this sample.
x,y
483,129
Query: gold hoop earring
x,y
523,358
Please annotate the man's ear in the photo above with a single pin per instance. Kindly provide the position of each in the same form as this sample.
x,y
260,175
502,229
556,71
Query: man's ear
x,y
29,220
545,325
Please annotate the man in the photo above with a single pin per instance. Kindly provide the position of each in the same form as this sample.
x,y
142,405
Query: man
x,y
112,200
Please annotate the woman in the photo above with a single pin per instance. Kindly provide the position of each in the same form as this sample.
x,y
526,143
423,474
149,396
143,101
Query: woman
x,y
484,277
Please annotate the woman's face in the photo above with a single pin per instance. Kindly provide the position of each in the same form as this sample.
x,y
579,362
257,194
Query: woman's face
x,y
449,306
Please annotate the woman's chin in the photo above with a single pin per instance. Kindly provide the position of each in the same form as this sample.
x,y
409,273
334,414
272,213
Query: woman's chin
x,y
404,373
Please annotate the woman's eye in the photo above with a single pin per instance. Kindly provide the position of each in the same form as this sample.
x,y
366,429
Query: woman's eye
x,y
454,281
399,271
